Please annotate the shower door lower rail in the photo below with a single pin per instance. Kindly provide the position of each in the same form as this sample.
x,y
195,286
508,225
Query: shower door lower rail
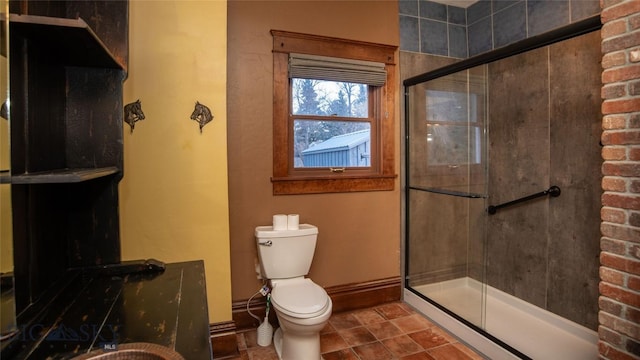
x,y
443,316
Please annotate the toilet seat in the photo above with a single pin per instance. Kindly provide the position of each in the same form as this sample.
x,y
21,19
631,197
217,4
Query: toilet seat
x,y
300,298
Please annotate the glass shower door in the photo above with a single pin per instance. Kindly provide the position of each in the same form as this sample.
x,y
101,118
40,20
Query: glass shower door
x,y
446,192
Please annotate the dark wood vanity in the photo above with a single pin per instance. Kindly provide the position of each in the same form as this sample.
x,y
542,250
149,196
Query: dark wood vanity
x,y
107,308
68,62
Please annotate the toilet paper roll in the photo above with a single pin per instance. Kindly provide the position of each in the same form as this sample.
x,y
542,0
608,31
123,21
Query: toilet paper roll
x,y
280,222
293,221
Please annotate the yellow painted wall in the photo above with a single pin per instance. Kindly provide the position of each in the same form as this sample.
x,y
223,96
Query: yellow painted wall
x,y
174,197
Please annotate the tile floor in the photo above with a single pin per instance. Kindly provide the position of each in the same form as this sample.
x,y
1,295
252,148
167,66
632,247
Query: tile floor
x,y
391,331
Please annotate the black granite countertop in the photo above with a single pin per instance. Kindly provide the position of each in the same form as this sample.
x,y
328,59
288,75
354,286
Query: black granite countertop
x,y
101,309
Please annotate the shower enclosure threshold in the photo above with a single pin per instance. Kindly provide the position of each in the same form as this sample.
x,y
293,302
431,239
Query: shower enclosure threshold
x,y
533,331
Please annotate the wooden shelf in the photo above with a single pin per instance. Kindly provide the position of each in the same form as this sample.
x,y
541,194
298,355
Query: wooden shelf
x,y
70,41
62,176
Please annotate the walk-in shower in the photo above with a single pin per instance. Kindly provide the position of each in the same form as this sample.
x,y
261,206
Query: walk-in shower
x,y
502,196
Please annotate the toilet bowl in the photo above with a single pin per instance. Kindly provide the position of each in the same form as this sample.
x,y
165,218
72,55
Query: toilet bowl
x,y
303,309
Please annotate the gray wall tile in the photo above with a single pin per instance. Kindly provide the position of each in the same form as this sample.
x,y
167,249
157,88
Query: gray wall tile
x,y
408,7
433,10
581,9
543,16
433,37
509,25
458,41
479,10
409,34
486,25
498,5
456,15
479,35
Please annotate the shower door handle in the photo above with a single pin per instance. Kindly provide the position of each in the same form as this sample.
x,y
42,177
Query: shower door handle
x,y
553,191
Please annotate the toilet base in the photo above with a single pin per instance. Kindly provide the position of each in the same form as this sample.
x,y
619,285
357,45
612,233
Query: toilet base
x,y
298,349
277,342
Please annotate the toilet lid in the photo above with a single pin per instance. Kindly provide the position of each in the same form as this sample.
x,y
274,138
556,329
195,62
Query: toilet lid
x,y
300,298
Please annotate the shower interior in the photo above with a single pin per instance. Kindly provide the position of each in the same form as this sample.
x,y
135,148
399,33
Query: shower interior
x,y
526,277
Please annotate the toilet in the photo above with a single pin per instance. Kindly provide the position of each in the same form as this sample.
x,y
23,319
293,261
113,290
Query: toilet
x,y
302,307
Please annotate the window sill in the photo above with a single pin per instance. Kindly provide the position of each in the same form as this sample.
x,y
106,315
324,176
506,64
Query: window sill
x,y
292,186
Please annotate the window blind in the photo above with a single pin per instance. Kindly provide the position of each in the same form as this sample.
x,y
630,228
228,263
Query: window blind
x,y
336,69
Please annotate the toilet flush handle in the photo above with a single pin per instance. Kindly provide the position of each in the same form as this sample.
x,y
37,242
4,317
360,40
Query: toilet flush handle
x,y
266,243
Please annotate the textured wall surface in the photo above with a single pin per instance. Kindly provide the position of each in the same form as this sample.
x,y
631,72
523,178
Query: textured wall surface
x,y
544,128
620,258
359,233
173,199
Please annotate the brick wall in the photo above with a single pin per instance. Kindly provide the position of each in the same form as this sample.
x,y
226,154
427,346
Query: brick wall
x,y
619,301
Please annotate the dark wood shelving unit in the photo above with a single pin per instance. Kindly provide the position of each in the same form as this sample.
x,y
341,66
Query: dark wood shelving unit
x,y
68,62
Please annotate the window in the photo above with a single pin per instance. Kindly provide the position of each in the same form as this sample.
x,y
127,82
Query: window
x,y
333,115
331,124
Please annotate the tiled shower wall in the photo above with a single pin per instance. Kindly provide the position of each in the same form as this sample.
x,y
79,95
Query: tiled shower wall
x,y
545,125
432,28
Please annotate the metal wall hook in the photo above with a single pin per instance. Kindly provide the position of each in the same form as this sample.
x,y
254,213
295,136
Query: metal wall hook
x,y
201,114
133,113
4,109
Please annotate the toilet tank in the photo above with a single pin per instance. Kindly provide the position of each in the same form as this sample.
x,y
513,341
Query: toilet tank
x,y
286,253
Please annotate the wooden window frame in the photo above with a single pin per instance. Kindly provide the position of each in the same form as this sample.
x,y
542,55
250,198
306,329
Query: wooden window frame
x,y
381,175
